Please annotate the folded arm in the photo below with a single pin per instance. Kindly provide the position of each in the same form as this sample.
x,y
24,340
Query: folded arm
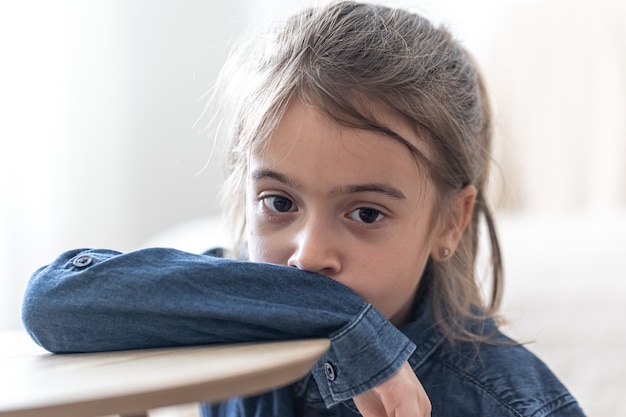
x,y
98,300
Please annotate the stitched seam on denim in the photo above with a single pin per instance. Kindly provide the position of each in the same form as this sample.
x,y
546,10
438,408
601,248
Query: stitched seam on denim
x,y
482,386
537,413
416,363
351,392
351,325
552,406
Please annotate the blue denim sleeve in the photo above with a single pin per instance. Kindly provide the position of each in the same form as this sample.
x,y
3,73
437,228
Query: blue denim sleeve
x,y
98,300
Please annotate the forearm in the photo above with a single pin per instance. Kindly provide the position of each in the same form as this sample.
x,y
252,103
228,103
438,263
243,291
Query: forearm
x,y
104,300
95,300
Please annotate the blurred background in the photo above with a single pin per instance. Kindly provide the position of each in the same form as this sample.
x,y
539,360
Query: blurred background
x,y
102,145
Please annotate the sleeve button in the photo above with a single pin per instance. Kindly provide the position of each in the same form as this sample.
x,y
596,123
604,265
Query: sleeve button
x,y
330,372
82,261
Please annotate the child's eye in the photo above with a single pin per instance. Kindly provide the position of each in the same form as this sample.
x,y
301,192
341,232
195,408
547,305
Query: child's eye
x,y
278,203
366,215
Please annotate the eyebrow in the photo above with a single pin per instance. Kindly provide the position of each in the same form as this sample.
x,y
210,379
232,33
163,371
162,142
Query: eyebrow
x,y
375,187
267,173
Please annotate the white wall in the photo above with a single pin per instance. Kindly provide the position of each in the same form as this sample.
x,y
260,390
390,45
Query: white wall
x,y
97,140
558,74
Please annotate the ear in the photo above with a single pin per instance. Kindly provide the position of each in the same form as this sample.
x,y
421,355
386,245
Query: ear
x,y
454,224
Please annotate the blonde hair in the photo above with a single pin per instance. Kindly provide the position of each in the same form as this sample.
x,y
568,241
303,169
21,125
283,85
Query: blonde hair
x,y
343,55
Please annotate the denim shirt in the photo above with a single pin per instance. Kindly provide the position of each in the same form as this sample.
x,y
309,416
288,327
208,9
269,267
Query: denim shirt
x,y
106,300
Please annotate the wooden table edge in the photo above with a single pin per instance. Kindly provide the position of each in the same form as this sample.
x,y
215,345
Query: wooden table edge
x,y
256,382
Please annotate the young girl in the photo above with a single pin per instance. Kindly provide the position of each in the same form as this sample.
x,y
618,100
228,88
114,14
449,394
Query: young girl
x,y
360,146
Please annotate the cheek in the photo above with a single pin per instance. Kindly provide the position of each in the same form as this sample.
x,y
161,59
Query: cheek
x,y
391,286
402,262
262,247
382,272
257,250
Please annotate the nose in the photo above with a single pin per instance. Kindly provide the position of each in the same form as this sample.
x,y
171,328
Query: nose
x,y
315,250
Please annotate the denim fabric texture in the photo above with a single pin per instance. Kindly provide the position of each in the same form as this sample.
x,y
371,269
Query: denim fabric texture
x,y
105,300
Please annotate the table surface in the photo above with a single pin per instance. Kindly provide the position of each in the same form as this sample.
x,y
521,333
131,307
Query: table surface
x,y
37,383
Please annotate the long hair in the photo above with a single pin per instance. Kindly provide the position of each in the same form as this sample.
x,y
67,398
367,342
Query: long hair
x,y
340,56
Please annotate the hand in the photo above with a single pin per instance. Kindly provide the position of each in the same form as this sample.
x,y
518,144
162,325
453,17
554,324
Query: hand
x,y
402,395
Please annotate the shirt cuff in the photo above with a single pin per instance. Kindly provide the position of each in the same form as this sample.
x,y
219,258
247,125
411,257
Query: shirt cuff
x,y
362,355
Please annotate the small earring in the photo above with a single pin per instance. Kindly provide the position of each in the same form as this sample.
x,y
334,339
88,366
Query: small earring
x,y
444,253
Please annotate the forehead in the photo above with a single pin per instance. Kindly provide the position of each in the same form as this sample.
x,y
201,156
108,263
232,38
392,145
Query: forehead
x,y
307,141
363,115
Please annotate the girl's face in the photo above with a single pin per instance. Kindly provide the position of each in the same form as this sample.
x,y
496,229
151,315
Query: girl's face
x,y
347,203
